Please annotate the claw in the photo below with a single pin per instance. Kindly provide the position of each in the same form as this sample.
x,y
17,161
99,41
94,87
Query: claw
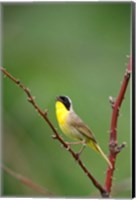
x,y
68,147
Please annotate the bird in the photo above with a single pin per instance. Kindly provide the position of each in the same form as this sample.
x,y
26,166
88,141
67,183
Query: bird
x,y
74,127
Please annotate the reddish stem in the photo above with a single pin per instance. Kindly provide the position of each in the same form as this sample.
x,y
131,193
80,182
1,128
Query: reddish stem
x,y
114,148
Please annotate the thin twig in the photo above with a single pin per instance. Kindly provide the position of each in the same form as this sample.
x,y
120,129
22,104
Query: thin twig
x,y
114,148
27,181
57,136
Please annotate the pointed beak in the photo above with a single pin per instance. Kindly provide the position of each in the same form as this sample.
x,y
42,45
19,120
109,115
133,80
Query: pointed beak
x,y
58,98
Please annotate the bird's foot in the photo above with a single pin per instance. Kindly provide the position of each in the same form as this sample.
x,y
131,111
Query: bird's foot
x,y
68,145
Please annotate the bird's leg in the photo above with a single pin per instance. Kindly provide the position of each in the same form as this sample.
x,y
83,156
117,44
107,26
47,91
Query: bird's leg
x,y
81,150
77,142
72,143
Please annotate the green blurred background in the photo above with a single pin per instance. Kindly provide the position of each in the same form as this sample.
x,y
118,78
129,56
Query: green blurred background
x,y
74,49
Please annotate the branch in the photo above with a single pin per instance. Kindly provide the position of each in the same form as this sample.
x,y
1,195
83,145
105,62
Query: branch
x,y
119,187
114,148
27,181
101,189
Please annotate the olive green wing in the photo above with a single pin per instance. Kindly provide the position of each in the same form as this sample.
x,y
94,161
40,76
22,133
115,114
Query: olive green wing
x,y
80,126
77,123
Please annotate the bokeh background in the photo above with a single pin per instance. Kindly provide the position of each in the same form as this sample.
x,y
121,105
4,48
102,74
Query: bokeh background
x,y
74,49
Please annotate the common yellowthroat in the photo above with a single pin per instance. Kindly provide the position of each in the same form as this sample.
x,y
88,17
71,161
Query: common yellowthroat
x,y
73,126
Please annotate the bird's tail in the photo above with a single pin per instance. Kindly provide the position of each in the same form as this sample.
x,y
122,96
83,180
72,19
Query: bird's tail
x,y
97,148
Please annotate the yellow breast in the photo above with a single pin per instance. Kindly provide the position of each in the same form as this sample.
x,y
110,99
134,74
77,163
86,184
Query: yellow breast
x,y
61,113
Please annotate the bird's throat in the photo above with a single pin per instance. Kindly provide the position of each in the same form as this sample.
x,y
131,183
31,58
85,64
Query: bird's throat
x,y
61,113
